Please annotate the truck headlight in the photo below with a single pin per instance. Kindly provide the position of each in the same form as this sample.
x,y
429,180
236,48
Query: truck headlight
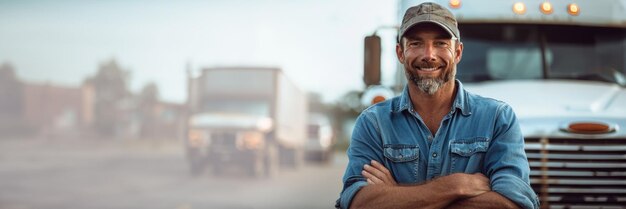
x,y
195,138
264,124
252,140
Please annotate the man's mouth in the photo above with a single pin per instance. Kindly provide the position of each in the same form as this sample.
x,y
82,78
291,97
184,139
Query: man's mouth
x,y
428,69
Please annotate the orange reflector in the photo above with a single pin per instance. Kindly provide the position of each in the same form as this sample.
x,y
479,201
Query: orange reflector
x,y
455,4
573,9
546,8
588,128
519,8
378,99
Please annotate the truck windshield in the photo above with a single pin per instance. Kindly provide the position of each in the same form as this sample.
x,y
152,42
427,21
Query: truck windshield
x,y
250,108
507,51
236,91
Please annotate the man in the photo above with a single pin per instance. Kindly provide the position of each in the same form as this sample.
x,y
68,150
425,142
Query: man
x,y
436,145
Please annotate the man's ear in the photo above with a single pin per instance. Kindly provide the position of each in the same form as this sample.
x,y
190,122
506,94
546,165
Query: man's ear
x,y
459,52
399,52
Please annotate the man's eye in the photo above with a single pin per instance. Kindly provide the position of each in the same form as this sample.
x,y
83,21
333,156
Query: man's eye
x,y
414,43
441,44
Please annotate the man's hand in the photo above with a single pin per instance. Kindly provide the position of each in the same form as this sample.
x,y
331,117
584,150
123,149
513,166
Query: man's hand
x,y
376,173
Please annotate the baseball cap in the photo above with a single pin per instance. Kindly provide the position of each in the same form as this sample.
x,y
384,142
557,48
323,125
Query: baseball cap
x,y
429,12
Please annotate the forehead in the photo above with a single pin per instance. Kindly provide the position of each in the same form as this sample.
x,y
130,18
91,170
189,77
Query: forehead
x,y
427,30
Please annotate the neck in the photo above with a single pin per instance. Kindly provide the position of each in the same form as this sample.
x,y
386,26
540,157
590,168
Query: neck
x,y
440,101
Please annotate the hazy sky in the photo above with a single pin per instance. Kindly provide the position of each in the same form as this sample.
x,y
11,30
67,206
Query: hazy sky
x,y
319,44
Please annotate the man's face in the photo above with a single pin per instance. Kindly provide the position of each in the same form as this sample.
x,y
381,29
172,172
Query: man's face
x,y
429,56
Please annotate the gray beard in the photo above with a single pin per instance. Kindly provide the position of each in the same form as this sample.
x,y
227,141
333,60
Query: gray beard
x,y
429,85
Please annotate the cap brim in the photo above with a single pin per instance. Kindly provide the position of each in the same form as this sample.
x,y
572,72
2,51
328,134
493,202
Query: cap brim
x,y
412,25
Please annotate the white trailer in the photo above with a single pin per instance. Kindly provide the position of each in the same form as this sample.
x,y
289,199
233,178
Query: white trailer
x,y
250,118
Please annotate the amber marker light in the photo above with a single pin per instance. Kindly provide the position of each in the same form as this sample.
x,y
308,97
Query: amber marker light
x,y
573,9
378,98
546,8
455,4
519,8
589,128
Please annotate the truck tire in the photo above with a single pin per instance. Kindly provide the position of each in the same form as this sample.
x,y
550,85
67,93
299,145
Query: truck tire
x,y
271,162
256,164
216,168
328,156
196,162
291,157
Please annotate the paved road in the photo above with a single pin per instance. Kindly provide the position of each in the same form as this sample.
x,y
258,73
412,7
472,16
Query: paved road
x,y
109,174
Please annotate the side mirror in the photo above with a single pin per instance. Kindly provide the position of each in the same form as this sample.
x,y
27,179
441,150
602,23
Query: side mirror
x,y
371,73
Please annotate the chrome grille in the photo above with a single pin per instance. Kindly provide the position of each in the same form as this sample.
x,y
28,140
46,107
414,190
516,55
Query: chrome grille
x,y
578,173
224,139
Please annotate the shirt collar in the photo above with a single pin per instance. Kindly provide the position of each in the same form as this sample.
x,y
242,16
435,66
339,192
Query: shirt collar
x,y
460,101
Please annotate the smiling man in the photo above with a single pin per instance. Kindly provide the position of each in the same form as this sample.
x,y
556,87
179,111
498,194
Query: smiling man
x,y
436,145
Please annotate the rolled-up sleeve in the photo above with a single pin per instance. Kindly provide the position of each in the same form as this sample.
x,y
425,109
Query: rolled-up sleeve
x,y
365,145
506,163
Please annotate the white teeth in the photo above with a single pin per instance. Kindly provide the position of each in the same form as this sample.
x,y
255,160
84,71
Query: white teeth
x,y
428,69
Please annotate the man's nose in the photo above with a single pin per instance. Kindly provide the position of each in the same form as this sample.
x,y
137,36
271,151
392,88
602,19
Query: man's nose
x,y
429,53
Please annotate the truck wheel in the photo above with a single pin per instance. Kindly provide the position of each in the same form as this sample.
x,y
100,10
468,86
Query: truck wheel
x,y
328,156
291,158
196,162
256,165
271,160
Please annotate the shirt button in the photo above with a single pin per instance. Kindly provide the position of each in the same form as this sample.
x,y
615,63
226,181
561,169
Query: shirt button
x,y
434,154
430,137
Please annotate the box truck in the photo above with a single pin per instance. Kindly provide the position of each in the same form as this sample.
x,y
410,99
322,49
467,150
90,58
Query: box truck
x,y
249,118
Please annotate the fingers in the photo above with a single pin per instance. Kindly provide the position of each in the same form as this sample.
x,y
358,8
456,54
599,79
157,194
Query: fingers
x,y
371,179
381,167
376,173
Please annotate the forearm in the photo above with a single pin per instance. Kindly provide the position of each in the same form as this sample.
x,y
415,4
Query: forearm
x,y
487,200
380,197
437,193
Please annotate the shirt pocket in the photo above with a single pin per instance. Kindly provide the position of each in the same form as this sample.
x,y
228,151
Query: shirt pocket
x,y
467,154
403,161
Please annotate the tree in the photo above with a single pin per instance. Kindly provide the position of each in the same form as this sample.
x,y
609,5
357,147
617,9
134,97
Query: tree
x,y
11,91
148,103
110,87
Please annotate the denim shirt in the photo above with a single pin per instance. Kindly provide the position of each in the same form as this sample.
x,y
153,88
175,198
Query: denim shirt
x,y
477,135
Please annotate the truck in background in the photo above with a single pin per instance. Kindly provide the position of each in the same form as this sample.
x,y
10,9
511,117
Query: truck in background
x,y
321,138
253,119
560,64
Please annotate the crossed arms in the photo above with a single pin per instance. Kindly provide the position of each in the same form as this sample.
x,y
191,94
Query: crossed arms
x,y
454,191
504,162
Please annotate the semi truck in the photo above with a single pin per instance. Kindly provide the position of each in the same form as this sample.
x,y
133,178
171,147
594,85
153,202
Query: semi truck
x,y
249,119
560,64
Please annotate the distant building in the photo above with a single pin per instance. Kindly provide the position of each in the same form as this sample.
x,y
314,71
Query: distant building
x,y
54,109
100,107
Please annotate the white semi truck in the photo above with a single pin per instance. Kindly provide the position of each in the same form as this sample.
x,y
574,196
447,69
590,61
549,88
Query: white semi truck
x,y
250,119
560,64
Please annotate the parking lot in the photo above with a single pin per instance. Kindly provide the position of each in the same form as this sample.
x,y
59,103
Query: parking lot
x,y
80,173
